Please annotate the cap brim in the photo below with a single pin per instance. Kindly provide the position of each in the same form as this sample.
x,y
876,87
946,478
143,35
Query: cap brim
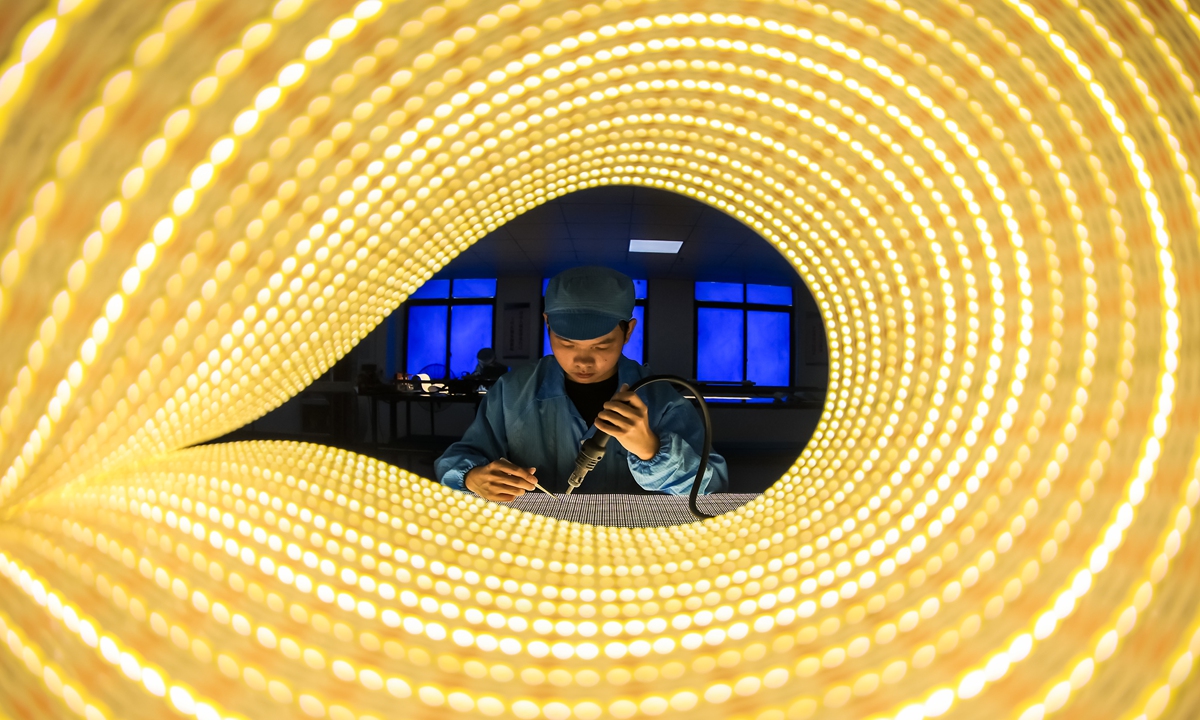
x,y
582,325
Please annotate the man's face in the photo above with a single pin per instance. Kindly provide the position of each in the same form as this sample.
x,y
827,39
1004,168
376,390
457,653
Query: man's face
x,y
590,361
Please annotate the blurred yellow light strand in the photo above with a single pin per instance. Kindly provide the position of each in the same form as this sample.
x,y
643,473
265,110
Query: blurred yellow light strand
x,y
897,485
173,24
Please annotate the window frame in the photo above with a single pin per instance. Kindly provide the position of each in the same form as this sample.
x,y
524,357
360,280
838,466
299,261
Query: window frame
x,y
449,302
746,307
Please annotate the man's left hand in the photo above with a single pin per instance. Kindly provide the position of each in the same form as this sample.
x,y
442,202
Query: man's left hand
x,y
627,419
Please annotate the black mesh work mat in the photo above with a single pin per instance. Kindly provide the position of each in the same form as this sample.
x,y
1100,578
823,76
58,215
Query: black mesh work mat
x,y
628,510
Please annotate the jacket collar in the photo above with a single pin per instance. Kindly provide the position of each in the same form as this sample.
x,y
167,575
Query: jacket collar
x,y
552,379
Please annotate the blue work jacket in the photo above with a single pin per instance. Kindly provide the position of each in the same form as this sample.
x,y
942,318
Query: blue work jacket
x,y
528,418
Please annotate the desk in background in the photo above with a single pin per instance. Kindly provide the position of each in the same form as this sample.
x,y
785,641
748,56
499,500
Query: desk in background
x,y
432,392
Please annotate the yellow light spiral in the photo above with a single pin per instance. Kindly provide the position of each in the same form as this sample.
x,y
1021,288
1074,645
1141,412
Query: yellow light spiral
x,y
204,204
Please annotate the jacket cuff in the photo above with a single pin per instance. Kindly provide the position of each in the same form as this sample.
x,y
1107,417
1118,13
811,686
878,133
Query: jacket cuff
x,y
654,464
456,477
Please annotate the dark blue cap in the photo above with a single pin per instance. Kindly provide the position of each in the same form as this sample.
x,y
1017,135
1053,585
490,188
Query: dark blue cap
x,y
587,302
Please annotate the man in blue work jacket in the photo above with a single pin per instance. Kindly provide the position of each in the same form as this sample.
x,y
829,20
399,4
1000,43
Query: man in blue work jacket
x,y
531,422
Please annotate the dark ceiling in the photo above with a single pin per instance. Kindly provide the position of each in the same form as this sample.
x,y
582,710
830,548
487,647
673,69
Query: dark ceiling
x,y
594,227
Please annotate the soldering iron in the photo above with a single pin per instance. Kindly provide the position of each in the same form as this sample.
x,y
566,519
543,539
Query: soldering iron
x,y
593,448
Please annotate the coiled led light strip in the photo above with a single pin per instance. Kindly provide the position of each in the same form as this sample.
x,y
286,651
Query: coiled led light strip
x,y
994,205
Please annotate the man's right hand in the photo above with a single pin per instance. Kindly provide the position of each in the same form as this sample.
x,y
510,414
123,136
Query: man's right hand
x,y
500,481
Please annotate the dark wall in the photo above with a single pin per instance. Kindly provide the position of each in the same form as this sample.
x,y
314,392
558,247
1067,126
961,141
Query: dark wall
x,y
671,342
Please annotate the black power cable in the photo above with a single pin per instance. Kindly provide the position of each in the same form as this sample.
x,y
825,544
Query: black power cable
x,y
593,448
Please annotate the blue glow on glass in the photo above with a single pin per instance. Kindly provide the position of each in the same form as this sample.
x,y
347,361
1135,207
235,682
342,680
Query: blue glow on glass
x,y
768,347
635,349
470,331
719,344
475,288
769,294
719,292
432,289
426,337
739,401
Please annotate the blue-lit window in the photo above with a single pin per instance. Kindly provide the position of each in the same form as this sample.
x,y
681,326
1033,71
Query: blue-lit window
x,y
635,349
744,332
449,322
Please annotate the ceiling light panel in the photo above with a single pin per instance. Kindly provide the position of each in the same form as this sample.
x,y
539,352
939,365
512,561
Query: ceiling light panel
x,y
666,247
